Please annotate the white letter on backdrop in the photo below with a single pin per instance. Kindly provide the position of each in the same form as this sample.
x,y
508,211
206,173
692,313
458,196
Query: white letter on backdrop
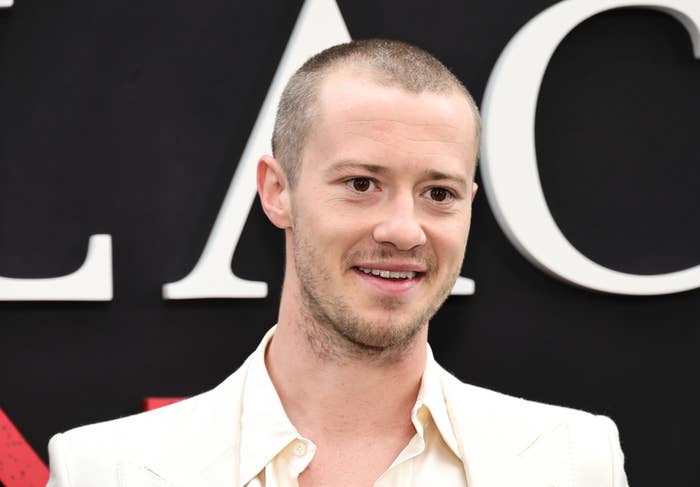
x,y
509,167
92,282
320,25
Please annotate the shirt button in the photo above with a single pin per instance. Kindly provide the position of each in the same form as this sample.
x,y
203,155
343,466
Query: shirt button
x,y
300,449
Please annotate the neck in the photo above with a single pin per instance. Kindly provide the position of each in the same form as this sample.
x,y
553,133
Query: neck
x,y
337,391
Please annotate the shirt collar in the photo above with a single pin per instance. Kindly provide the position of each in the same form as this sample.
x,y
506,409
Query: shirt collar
x,y
431,395
265,428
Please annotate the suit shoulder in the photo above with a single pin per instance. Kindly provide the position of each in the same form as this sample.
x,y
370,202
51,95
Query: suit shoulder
x,y
524,422
511,406
141,425
157,437
583,446
199,428
86,454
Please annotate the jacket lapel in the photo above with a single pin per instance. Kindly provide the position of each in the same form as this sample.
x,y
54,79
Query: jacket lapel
x,y
489,444
490,465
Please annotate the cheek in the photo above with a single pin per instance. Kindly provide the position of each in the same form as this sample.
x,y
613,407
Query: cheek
x,y
449,239
332,234
335,223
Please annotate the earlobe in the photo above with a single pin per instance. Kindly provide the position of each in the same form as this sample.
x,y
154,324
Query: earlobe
x,y
273,192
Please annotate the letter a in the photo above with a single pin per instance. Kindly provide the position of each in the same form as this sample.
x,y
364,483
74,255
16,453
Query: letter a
x,y
320,25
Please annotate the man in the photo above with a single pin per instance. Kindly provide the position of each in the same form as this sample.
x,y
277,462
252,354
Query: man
x,y
372,181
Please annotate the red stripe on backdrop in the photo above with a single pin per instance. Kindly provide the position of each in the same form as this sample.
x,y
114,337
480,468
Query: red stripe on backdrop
x,y
20,466
158,402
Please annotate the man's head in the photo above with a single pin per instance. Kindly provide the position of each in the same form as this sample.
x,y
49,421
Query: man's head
x,y
377,204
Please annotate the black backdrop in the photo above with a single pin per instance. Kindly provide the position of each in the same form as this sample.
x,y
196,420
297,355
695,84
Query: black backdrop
x,y
128,118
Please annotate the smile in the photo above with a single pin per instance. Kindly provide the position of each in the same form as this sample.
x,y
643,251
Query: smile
x,y
397,283
388,274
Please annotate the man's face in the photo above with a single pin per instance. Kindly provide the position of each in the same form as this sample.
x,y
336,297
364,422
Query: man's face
x,y
381,209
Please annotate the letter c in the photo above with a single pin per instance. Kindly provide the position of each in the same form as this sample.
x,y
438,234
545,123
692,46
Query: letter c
x,y
509,162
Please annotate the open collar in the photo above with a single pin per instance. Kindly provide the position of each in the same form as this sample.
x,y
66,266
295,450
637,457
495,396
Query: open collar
x,y
265,427
472,422
432,396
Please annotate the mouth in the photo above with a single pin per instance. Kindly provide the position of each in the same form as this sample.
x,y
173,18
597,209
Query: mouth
x,y
391,282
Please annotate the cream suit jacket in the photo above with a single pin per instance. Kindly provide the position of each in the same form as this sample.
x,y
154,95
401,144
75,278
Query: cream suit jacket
x,y
505,441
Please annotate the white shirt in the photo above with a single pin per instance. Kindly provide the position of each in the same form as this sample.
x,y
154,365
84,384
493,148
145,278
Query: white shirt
x,y
273,453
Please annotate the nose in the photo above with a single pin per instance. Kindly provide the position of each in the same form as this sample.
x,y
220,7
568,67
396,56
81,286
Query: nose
x,y
398,224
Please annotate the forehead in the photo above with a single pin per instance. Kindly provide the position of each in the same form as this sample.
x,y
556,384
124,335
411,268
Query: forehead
x,y
356,118
351,88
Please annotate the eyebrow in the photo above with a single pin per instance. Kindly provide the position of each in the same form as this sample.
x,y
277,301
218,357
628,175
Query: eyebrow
x,y
356,165
434,175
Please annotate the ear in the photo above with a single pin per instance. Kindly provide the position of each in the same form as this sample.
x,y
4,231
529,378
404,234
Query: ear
x,y
274,192
475,188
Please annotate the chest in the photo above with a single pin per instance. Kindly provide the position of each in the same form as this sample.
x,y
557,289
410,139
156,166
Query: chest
x,y
417,461
351,466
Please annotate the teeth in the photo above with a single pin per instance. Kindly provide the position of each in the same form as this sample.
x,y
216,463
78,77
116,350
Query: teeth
x,y
388,274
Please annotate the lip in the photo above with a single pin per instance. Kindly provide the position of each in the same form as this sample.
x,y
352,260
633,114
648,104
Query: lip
x,y
390,287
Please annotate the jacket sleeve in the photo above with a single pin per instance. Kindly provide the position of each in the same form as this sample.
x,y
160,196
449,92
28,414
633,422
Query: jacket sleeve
x,y
57,463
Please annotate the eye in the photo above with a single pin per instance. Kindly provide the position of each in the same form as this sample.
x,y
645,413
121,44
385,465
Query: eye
x,y
440,195
360,185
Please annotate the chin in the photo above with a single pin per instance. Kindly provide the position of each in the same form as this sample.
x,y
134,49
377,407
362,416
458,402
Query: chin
x,y
380,332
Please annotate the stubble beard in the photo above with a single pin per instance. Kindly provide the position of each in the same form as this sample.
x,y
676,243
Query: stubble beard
x,y
336,331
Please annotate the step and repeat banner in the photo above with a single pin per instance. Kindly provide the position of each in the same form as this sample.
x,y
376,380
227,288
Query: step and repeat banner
x,y
136,265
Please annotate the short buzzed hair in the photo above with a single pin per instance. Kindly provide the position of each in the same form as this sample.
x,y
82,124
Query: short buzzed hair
x,y
390,63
